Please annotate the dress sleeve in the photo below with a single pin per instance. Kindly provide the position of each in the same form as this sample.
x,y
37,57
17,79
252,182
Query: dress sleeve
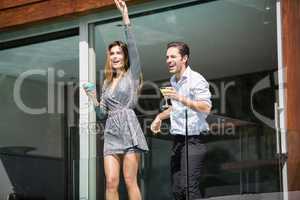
x,y
101,110
134,58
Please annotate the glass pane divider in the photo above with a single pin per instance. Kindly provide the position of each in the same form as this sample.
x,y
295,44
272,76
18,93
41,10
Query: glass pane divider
x,y
83,112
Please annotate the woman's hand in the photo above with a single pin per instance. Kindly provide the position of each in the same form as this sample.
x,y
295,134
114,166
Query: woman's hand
x,y
121,5
92,94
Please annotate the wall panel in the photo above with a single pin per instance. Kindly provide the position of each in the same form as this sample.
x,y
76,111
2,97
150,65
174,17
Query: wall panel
x,y
24,12
291,47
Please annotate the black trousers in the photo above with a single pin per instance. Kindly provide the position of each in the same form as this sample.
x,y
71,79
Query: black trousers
x,y
196,152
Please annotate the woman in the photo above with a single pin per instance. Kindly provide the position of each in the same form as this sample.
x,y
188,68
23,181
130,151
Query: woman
x,y
123,137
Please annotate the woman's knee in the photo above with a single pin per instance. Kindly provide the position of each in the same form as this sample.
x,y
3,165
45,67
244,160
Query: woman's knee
x,y
112,168
112,182
130,179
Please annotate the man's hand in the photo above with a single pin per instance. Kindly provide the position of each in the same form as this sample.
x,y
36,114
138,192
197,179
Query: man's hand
x,y
171,93
155,125
199,106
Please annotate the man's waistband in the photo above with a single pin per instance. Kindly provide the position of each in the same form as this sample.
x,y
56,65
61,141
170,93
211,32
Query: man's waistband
x,y
203,135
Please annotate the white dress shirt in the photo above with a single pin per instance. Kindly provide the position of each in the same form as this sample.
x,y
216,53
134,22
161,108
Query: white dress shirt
x,y
193,86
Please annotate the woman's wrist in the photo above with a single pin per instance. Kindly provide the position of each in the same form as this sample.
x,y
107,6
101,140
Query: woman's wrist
x,y
95,102
126,19
126,22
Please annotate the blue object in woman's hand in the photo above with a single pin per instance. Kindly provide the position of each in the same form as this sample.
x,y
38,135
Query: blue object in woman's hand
x,y
89,86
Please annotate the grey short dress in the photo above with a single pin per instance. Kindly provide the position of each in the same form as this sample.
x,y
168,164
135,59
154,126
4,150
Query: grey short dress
x,y
122,130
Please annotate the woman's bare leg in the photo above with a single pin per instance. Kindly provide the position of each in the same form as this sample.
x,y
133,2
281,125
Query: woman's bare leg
x,y
130,169
112,164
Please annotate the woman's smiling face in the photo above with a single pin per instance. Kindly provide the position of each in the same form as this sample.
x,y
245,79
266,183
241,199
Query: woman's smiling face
x,y
116,56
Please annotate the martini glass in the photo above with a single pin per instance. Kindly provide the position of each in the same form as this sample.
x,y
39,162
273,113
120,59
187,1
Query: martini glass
x,y
164,90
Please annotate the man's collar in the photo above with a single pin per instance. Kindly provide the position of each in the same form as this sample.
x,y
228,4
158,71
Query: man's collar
x,y
186,73
184,76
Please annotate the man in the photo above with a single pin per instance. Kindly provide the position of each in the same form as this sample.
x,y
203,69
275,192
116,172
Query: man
x,y
191,95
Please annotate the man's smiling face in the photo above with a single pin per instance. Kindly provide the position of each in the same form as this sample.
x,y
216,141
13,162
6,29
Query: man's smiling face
x,y
175,62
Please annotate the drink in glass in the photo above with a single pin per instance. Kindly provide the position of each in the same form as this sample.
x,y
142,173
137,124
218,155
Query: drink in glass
x,y
165,90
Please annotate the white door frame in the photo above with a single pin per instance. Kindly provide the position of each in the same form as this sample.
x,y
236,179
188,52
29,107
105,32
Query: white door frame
x,y
280,106
87,119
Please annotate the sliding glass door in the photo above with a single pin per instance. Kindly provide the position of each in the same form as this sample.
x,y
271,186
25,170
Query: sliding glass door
x,y
234,46
38,100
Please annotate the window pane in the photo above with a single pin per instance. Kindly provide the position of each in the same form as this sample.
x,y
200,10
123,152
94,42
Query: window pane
x,y
35,81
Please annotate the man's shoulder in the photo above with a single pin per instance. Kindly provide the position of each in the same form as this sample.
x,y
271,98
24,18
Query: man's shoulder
x,y
196,75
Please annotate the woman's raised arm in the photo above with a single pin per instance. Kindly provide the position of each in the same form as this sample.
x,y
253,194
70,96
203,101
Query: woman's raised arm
x,y
134,58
